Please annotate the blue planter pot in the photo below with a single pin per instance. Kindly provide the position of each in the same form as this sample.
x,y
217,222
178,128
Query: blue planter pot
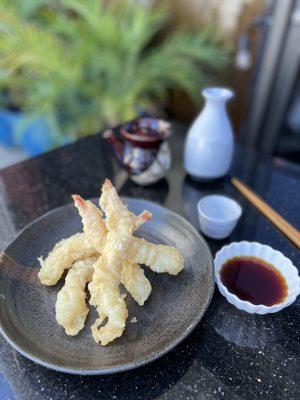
x,y
8,122
36,136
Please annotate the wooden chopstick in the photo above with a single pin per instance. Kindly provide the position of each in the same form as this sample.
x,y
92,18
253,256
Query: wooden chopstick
x,y
285,227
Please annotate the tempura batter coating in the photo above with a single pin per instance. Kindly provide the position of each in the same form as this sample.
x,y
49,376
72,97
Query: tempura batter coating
x,y
104,255
158,257
93,225
135,281
133,276
63,255
104,288
71,309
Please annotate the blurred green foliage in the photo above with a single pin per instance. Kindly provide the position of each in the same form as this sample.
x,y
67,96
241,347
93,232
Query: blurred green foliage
x,y
88,64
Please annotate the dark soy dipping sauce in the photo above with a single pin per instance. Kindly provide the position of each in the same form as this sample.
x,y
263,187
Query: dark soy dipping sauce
x,y
254,280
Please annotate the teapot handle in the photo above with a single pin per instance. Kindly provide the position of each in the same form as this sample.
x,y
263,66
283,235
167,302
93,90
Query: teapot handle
x,y
116,141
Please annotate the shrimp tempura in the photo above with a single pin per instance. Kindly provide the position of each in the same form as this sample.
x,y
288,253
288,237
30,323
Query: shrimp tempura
x,y
71,309
104,255
93,224
134,280
159,257
63,255
132,277
104,288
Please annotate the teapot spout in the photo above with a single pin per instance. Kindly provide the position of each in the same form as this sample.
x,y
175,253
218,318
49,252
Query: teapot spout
x,y
116,143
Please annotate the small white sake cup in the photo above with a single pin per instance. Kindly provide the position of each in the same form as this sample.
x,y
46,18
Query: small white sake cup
x,y
218,215
269,255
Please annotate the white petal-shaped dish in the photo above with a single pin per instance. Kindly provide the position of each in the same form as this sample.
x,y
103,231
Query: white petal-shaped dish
x,y
271,256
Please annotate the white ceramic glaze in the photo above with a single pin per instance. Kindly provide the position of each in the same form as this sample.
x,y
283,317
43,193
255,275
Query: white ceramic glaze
x,y
266,253
157,169
209,144
218,215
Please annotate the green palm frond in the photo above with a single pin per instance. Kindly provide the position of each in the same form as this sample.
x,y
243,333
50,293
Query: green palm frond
x,y
38,52
88,64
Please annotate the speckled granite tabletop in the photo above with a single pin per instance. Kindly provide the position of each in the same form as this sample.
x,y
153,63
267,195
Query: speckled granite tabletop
x,y
230,354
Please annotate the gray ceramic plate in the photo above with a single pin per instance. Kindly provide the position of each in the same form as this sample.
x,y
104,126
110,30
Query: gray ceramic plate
x,y
176,304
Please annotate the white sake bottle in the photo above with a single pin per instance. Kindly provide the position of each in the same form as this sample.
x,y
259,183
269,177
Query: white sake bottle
x,y
209,144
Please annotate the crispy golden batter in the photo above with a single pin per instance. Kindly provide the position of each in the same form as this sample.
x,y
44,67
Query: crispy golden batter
x,y
158,257
93,224
105,254
135,281
70,307
132,277
64,254
104,288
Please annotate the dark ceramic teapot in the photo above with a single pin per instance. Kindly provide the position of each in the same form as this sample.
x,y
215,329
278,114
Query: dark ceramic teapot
x,y
141,148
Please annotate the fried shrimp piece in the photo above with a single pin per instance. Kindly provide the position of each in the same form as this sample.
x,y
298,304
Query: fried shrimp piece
x,y
93,224
132,276
106,297
62,256
104,288
71,309
134,280
158,257
115,210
